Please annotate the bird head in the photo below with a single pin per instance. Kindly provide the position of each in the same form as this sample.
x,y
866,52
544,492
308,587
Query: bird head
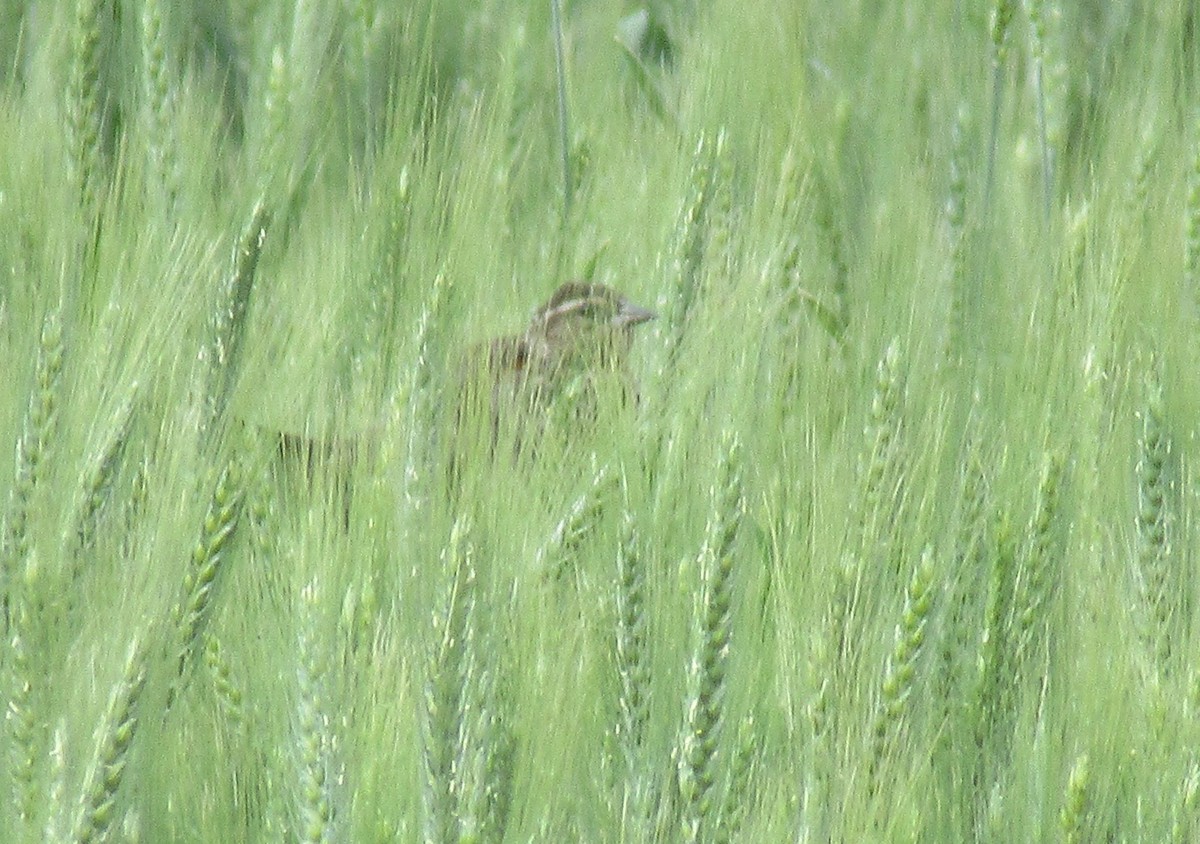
x,y
587,321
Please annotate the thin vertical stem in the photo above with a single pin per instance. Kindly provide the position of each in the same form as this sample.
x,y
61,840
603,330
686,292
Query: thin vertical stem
x,y
560,72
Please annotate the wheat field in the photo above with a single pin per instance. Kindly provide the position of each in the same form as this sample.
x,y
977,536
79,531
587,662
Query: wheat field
x,y
898,543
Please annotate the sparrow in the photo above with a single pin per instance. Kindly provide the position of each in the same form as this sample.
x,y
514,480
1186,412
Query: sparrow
x,y
549,381
571,358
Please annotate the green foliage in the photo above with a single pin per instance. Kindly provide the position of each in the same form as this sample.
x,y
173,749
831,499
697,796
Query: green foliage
x,y
919,270
106,772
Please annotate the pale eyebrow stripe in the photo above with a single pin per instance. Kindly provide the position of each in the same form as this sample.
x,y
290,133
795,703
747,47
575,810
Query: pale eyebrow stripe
x,y
575,305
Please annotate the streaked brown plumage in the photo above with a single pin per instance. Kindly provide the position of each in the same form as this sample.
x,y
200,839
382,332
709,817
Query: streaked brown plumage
x,y
578,339
570,357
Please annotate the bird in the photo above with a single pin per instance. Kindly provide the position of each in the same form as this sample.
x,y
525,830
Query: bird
x,y
516,392
571,359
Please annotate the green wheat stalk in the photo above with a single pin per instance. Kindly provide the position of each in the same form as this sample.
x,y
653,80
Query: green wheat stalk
x,y
1153,558
693,238
1076,248
899,676
839,648
468,749
491,799
1002,15
276,115
84,118
633,666
485,752
1191,229
819,802
721,252
98,806
705,706
1132,231
521,105
261,512
1144,162
962,302
133,508
829,224
23,722
32,454
1183,827
476,717
555,554
643,78
967,557
229,318
314,806
793,295
445,681
216,532
306,49
421,403
995,691
390,266
694,227
229,695
366,30
55,801
1074,812
1037,22
702,224
159,105
884,422
1054,65
877,471
738,794
954,684
1041,568
564,127
98,480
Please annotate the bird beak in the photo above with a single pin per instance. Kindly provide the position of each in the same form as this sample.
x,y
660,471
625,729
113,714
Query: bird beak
x,y
630,315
